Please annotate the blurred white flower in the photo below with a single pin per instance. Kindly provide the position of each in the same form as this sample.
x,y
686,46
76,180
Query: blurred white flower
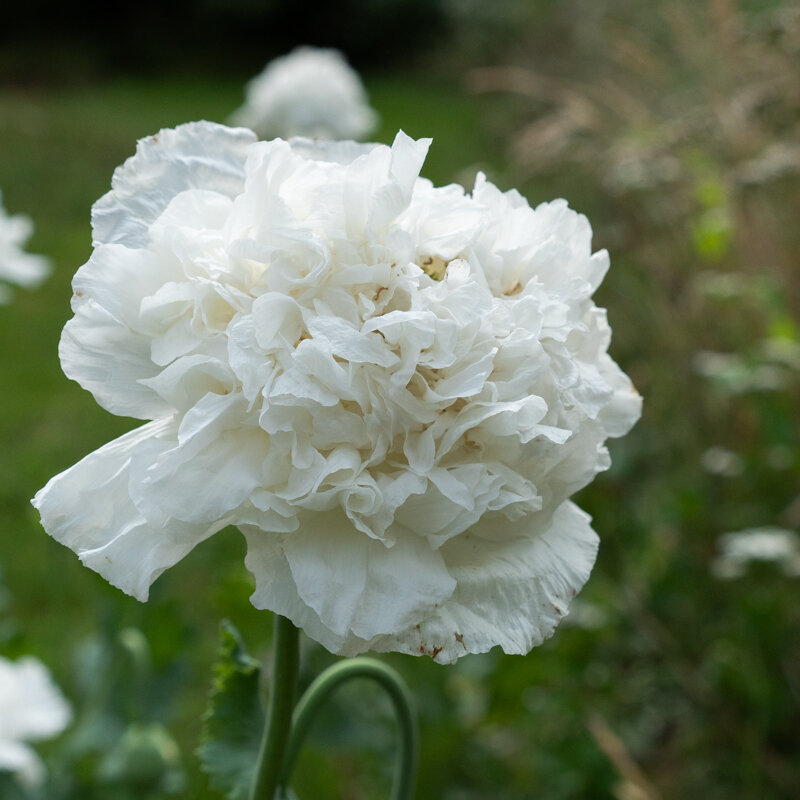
x,y
722,461
31,708
776,160
739,548
392,389
589,616
782,351
736,375
309,92
781,457
723,286
16,266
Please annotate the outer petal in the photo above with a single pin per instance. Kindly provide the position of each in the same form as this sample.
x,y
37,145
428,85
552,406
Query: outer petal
x,y
358,584
109,360
355,587
511,593
103,346
276,590
89,509
197,155
207,471
625,407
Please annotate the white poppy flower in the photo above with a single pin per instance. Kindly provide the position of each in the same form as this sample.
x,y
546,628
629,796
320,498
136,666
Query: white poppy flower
x,y
392,389
309,92
739,548
724,462
17,266
31,708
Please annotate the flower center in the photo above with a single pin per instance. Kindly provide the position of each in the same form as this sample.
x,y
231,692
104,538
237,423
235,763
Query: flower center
x,y
434,267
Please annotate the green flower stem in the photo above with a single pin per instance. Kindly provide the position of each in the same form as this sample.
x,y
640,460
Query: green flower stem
x,y
390,680
285,666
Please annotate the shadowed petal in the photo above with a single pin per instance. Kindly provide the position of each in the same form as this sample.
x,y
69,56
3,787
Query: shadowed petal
x,y
354,585
512,593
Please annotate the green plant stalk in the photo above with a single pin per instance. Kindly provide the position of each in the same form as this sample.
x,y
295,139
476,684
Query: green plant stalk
x,y
285,666
316,694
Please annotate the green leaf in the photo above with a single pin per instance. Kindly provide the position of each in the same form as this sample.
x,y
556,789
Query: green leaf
x,y
234,720
712,234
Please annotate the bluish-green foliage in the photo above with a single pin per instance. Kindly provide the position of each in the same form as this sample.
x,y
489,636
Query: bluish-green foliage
x,y
234,720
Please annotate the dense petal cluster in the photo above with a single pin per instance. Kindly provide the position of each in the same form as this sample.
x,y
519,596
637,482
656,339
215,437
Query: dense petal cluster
x,y
16,266
31,708
392,389
309,92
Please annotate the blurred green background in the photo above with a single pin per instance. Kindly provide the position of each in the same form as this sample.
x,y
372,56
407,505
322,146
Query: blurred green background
x,y
674,126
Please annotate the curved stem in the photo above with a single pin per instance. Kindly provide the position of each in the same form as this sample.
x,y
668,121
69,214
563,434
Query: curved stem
x,y
285,665
390,680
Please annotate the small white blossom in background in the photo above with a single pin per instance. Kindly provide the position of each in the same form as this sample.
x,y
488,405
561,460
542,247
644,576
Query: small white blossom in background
x,y
738,549
781,457
309,92
722,461
392,389
31,709
586,615
16,266
738,375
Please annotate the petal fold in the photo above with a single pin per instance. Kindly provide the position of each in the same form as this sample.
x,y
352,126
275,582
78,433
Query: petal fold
x,y
89,509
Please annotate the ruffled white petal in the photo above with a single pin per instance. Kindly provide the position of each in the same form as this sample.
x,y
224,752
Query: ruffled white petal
x,y
90,509
212,449
112,361
510,592
202,155
357,585
480,593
